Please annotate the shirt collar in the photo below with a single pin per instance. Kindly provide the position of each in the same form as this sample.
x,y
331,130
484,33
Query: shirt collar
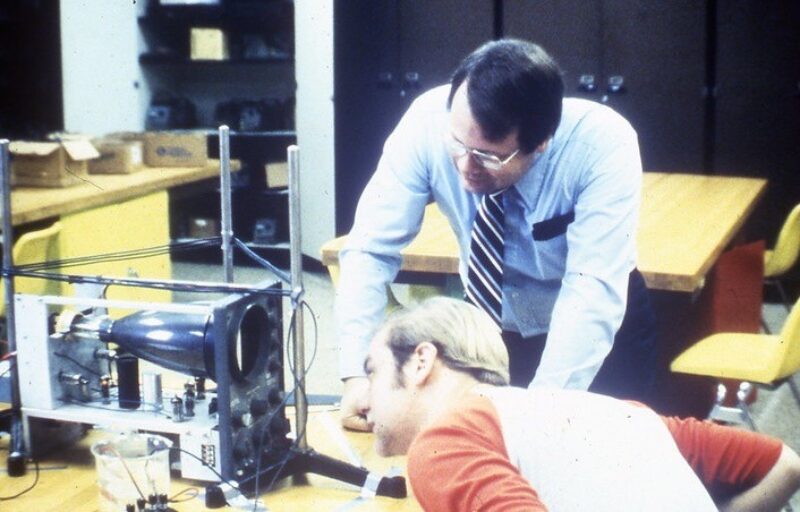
x,y
529,186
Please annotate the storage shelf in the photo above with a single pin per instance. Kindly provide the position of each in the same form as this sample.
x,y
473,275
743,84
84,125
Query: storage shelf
x,y
153,59
247,16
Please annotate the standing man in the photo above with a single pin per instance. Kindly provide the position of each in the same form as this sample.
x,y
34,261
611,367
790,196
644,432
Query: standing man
x,y
543,195
437,391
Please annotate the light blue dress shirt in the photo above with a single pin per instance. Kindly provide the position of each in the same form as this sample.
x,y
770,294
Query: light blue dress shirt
x,y
572,286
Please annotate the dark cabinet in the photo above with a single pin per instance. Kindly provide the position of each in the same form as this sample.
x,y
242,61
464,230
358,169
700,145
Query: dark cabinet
x,y
757,122
644,59
385,54
31,103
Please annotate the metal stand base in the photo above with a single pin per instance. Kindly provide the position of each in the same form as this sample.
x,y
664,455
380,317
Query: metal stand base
x,y
301,461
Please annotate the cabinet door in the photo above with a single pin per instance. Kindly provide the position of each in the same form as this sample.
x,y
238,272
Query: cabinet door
x,y
385,54
366,95
435,36
658,51
655,48
758,99
569,30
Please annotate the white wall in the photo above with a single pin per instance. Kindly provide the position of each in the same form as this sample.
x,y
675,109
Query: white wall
x,y
314,117
99,59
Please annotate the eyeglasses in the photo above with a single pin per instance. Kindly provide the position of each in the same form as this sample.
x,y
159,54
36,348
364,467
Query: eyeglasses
x,y
486,160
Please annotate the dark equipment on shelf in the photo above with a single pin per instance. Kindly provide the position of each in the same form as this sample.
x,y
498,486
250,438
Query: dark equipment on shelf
x,y
256,115
265,231
169,113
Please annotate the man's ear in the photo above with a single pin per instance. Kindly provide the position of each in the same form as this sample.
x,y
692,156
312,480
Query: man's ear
x,y
543,146
422,362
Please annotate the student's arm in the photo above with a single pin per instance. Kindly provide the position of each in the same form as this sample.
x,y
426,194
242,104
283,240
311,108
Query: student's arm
x,y
742,470
460,463
773,491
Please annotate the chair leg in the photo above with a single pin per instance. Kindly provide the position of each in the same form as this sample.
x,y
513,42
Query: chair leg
x,y
784,296
745,390
738,414
765,326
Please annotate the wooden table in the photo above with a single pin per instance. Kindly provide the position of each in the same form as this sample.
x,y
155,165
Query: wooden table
x,y
73,486
29,204
686,221
107,214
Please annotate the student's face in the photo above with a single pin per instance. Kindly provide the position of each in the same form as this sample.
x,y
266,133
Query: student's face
x,y
390,406
466,132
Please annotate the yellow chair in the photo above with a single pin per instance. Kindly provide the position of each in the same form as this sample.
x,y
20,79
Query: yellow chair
x,y
784,255
761,358
34,247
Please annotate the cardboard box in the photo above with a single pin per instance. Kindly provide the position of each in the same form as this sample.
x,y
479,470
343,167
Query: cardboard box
x,y
277,174
175,149
117,156
208,44
51,164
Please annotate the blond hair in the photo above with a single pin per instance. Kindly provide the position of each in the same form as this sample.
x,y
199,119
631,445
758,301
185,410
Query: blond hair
x,y
466,338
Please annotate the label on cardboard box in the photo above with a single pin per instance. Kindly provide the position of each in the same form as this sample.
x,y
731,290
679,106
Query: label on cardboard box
x,y
175,149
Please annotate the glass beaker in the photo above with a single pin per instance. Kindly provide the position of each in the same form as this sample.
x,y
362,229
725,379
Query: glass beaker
x,y
131,466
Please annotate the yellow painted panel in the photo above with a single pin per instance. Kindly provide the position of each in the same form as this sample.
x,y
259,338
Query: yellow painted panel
x,y
138,223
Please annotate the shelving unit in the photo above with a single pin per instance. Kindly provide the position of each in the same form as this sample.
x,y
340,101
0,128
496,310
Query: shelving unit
x,y
252,92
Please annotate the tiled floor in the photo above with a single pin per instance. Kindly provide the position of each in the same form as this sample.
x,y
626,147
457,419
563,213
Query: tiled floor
x,y
775,411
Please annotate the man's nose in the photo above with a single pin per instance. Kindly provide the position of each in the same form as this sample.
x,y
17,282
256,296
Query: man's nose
x,y
466,163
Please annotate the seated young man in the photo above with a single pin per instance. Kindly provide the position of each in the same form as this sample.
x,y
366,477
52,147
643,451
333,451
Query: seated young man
x,y
438,391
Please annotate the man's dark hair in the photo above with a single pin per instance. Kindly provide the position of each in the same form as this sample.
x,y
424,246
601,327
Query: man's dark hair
x,y
512,84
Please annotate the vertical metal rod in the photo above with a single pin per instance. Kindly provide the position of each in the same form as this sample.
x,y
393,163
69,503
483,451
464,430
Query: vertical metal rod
x,y
296,273
225,201
8,262
17,445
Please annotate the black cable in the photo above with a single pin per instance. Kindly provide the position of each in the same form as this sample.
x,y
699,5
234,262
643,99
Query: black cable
x,y
68,358
153,284
35,481
121,255
263,262
297,388
194,490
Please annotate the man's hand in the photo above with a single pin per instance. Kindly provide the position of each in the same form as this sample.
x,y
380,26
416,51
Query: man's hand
x,y
354,400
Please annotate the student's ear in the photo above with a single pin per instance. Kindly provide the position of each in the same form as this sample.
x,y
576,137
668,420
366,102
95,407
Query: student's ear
x,y
422,362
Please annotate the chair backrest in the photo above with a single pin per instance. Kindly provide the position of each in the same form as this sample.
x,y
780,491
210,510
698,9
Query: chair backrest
x,y
790,337
34,247
787,247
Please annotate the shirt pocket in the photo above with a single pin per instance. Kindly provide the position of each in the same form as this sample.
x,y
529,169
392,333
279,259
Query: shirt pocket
x,y
550,245
552,227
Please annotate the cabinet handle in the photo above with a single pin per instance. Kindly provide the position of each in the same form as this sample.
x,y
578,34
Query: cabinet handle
x,y
385,79
616,84
587,83
410,83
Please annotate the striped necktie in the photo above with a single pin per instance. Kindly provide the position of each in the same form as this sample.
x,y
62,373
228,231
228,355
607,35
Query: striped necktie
x,y
485,275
